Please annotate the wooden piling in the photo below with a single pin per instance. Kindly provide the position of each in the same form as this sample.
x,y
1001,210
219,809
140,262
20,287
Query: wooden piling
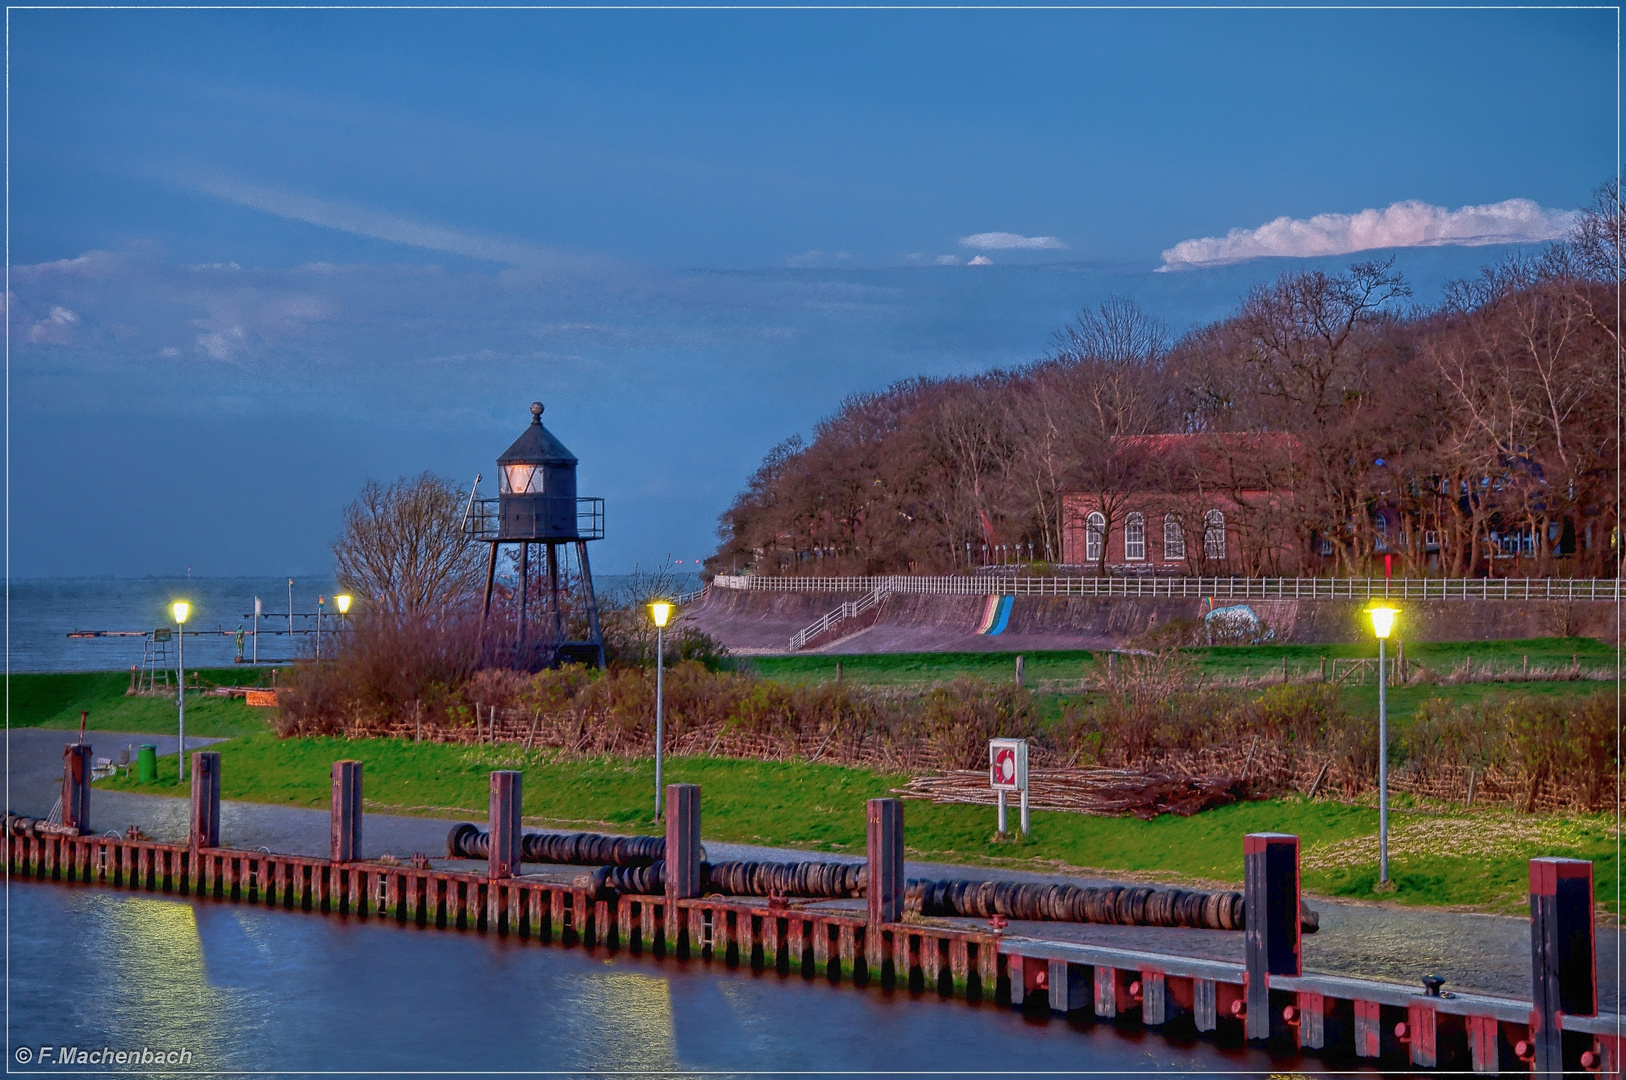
x,y
884,819
506,793
1563,962
205,802
345,821
76,771
1271,942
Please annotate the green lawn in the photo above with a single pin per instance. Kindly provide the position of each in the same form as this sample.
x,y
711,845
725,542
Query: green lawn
x,y
821,807
54,701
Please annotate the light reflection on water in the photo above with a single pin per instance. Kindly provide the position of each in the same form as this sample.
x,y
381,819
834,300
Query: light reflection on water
x,y
245,988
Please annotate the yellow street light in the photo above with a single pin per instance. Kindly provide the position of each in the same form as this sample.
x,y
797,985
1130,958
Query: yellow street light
x,y
1383,623
342,602
180,609
660,611
1383,620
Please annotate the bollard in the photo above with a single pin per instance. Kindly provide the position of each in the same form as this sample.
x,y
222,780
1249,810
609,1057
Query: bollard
x,y
682,842
1271,939
205,801
1563,962
1019,671
76,787
147,763
885,889
345,823
504,853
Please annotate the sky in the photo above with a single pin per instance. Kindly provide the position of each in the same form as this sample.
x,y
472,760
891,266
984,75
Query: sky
x,y
256,258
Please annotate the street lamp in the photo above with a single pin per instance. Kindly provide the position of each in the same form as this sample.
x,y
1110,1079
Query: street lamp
x,y
319,602
180,609
660,611
342,602
1383,621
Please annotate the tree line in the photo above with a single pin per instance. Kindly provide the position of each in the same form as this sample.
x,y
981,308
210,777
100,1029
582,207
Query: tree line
x,y
1478,436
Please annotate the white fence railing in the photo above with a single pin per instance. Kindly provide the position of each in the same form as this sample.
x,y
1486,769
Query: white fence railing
x,y
1219,588
851,609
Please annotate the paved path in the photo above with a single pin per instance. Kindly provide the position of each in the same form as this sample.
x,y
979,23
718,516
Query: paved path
x,y
34,762
1485,953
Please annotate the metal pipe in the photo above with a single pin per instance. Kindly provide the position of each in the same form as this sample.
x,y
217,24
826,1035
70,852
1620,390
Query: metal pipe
x,y
1383,767
660,673
180,696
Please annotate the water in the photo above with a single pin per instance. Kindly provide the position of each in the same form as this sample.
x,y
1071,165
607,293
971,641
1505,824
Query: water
x,y
245,988
42,612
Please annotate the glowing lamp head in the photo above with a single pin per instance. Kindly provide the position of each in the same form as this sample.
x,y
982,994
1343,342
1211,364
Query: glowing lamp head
x,y
1383,620
660,611
342,602
181,609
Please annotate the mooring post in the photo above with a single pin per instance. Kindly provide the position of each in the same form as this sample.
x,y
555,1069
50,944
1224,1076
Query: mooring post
x,y
504,853
205,803
885,819
346,817
1563,961
1271,943
76,787
682,853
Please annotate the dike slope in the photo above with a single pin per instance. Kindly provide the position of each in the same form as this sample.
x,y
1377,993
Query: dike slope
x,y
760,622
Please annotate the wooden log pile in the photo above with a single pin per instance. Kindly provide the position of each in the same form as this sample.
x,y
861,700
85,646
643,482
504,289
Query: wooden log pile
x,y
1109,792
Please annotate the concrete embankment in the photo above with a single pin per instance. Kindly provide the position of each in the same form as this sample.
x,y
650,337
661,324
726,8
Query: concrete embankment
x,y
761,621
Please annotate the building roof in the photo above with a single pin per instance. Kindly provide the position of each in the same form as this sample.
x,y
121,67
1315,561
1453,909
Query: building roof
x,y
537,445
1189,461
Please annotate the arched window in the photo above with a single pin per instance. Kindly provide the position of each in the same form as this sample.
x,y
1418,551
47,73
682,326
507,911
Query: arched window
x,y
1174,539
1134,537
1382,524
1214,535
1095,530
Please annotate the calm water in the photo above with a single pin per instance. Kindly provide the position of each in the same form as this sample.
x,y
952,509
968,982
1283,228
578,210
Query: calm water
x,y
245,989
43,612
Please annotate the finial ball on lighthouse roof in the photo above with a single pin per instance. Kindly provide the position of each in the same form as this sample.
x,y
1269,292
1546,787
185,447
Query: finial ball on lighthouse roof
x,y
536,411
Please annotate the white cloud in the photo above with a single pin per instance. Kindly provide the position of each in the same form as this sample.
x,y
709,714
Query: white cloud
x,y
947,260
223,344
1004,241
1404,224
981,260
55,328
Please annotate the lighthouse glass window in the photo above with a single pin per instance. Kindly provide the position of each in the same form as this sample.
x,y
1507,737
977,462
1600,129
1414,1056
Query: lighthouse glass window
x,y
521,479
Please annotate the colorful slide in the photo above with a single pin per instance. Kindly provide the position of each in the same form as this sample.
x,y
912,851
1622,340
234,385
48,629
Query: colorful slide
x,y
996,614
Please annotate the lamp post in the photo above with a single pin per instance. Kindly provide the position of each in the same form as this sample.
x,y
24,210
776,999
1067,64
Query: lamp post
x,y
660,611
1383,621
342,602
320,601
180,609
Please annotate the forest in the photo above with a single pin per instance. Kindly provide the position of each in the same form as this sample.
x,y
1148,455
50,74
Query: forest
x,y
1476,437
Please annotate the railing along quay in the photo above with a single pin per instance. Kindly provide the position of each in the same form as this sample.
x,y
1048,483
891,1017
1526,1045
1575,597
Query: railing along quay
x,y
1267,998
1196,588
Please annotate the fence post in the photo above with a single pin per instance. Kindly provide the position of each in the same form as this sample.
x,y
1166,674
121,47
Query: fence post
x,y
345,818
682,855
885,892
504,854
1563,958
76,787
1271,943
205,803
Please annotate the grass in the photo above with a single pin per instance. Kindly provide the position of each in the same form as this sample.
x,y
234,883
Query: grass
x,y
55,700
821,807
1229,661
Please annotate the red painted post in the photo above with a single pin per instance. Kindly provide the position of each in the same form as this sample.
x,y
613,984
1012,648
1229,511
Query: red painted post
x,y
205,806
504,854
76,787
885,892
345,825
682,857
1271,941
1563,960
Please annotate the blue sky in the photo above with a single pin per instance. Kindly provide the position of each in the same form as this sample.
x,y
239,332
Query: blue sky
x,y
259,256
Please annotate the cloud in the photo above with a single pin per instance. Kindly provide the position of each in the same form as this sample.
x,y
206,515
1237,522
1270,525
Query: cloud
x,y
378,224
981,260
1404,224
947,260
55,329
1004,241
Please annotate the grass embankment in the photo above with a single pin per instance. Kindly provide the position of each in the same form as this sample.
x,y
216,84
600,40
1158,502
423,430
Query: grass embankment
x,y
54,700
1476,859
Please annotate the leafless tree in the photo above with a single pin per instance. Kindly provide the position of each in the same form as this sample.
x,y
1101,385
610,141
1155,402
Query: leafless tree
x,y
403,550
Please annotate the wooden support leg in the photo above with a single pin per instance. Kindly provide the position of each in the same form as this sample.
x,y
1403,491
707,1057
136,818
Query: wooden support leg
x,y
1205,1004
1154,999
1368,1029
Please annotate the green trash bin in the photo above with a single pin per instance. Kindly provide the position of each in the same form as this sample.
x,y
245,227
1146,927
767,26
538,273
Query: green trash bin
x,y
147,763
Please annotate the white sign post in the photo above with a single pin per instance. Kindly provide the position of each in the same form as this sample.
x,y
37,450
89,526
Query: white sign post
x,y
1008,771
